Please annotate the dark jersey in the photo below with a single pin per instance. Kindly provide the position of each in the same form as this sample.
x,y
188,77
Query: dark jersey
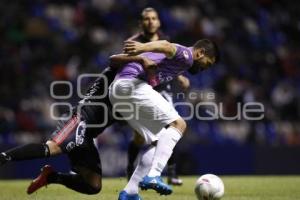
x,y
95,106
100,86
75,136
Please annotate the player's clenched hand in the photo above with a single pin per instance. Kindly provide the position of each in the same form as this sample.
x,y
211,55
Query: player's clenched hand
x,y
133,47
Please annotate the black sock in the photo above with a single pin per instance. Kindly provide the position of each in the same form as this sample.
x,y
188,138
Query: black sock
x,y
27,152
133,151
172,167
73,181
171,161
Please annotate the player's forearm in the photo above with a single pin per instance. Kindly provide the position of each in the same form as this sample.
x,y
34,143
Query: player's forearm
x,y
161,46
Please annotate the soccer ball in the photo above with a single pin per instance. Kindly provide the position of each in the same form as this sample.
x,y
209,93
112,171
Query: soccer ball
x,y
209,187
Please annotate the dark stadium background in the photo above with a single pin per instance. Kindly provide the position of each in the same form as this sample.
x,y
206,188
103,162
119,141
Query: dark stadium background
x,y
44,41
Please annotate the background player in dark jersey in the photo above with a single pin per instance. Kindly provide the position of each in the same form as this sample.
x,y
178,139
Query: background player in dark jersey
x,y
150,31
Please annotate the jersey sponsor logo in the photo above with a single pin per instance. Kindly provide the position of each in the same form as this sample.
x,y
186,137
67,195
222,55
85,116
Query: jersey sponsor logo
x,y
163,78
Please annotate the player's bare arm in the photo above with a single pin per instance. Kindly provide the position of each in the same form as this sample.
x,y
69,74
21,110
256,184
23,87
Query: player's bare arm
x,y
161,46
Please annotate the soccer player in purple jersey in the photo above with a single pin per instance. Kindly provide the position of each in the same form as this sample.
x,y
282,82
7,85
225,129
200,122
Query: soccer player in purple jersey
x,y
133,96
150,25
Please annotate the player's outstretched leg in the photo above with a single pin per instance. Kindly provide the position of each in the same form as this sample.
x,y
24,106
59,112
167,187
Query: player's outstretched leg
x,y
25,152
125,196
72,181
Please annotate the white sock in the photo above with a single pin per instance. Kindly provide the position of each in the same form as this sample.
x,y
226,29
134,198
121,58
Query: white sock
x,y
140,171
164,149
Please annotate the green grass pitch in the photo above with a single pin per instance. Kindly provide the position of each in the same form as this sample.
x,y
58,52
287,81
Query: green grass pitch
x,y
236,188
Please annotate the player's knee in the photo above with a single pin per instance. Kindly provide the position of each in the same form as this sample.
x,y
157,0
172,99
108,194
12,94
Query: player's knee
x,y
94,182
180,124
53,148
95,188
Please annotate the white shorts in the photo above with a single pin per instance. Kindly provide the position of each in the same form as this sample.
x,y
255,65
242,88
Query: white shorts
x,y
145,109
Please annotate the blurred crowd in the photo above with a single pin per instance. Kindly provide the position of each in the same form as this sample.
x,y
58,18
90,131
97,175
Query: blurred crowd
x,y
46,40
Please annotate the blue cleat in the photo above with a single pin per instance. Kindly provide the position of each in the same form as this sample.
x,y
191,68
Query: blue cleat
x,y
155,183
125,196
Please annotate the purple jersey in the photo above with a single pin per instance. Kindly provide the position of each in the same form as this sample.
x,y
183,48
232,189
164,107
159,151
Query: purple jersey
x,y
167,68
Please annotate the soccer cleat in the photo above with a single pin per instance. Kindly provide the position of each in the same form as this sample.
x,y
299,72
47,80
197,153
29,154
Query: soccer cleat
x,y
172,175
175,181
41,180
125,196
156,183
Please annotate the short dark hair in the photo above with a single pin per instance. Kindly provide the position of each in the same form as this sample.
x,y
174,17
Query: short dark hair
x,y
148,9
211,48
